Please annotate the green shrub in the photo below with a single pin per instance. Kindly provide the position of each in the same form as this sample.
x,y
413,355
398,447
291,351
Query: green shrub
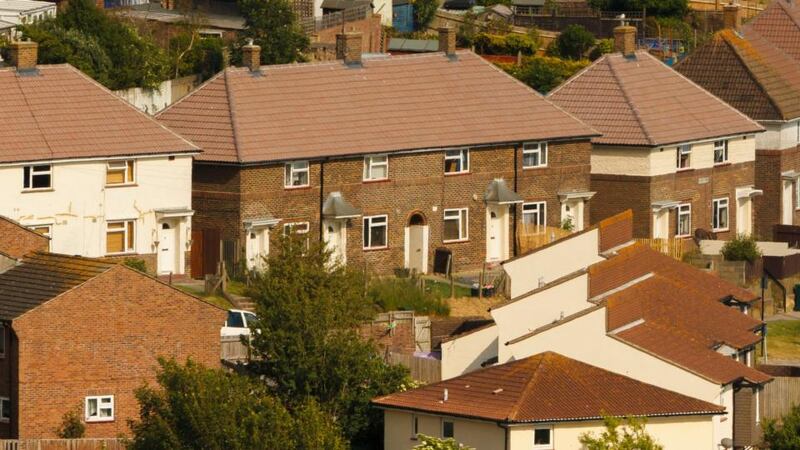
x,y
72,426
507,44
572,43
392,294
741,248
544,73
136,264
433,443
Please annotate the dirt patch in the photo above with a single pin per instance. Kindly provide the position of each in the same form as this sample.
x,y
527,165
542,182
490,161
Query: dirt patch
x,y
472,306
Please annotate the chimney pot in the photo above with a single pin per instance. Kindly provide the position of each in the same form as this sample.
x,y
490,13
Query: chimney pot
x,y
447,41
625,39
732,17
251,56
348,47
24,54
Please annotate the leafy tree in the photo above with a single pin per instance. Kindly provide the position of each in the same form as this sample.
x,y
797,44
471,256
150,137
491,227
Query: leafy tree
x,y
200,408
273,25
468,30
545,73
573,43
741,248
432,443
424,12
629,435
602,47
192,54
72,427
783,434
307,337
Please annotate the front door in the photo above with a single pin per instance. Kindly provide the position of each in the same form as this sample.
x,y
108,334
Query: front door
x,y
167,253
744,216
417,244
334,234
572,215
786,217
661,224
257,248
494,235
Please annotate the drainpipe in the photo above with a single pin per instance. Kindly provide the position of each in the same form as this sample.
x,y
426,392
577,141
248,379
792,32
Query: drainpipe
x,y
514,208
321,197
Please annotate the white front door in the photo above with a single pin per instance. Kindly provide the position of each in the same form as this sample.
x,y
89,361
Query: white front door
x,y
334,235
495,232
787,213
167,253
744,216
416,245
661,224
572,213
257,248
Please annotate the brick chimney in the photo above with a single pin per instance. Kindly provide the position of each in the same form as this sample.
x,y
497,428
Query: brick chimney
x,y
732,17
625,39
23,54
348,47
251,56
447,41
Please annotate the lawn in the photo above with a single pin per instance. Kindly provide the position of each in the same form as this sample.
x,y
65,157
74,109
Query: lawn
x,y
443,289
218,300
783,340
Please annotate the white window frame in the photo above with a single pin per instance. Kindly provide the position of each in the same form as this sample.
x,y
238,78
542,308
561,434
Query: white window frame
x,y
463,223
31,173
128,166
296,227
684,150
541,213
99,399
549,445
366,240
451,422
370,164
462,156
758,405
679,213
722,147
715,208
290,168
797,194
5,408
535,148
126,250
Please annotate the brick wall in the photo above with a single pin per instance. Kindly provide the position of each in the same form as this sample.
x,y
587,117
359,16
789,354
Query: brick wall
x,y
767,207
370,28
215,197
616,193
103,338
17,241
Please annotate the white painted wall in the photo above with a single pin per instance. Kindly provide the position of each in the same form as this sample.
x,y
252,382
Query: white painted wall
x,y
467,352
398,431
38,10
550,263
779,135
79,203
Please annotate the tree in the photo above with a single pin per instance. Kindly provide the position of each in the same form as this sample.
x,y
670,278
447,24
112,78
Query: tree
x,y
192,54
72,427
306,338
201,408
573,43
741,248
783,434
618,436
432,443
272,24
424,12
545,73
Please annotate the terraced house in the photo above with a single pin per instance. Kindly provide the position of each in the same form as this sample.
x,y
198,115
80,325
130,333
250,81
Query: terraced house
x,y
756,68
382,165
85,168
679,157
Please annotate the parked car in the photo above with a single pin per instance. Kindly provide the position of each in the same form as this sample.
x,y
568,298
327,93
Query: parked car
x,y
238,323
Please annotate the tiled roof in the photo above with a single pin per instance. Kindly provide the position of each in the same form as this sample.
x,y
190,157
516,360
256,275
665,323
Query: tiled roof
x,y
544,388
779,24
17,241
392,103
640,101
41,277
62,113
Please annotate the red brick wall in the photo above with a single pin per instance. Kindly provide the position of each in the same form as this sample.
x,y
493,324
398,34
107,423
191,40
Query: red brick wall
x,y
769,166
215,197
616,194
103,338
17,241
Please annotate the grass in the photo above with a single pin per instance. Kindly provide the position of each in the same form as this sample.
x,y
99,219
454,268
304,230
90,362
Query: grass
x,y
237,288
442,289
783,340
220,301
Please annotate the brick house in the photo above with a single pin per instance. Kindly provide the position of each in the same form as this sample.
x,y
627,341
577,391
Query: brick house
x,y
383,167
17,241
679,157
81,334
85,168
756,68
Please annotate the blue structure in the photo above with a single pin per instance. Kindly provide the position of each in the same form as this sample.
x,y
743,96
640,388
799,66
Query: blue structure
x,y
403,16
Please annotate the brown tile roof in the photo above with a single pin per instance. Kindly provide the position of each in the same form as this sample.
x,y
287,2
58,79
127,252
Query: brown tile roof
x,y
406,102
42,276
641,101
17,241
61,113
544,388
779,24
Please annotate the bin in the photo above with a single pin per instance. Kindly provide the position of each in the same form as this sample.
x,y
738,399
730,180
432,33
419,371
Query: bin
x,y
796,297
475,291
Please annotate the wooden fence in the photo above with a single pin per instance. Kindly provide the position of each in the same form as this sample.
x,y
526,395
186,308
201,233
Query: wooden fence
x,y
233,349
531,237
422,369
670,247
783,392
62,444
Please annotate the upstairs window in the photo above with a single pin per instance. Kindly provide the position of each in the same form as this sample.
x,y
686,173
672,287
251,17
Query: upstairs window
x,y
120,237
684,157
456,226
719,217
542,438
296,174
120,172
295,227
534,154
720,152
456,161
376,167
100,408
375,231
37,177
684,227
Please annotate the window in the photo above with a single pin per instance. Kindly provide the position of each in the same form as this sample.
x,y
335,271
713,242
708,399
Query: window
x,y
684,220
719,219
455,225
376,167
720,152
534,154
534,216
296,174
375,231
5,409
120,172
758,405
37,177
235,320
295,227
44,230
120,237
456,161
543,438
250,319
100,408
684,156
448,429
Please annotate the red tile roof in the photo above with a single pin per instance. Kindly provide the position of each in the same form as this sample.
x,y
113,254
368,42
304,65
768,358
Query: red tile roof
x,y
62,113
640,101
406,102
544,388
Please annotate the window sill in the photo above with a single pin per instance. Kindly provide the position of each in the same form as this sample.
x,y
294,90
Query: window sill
x,y
131,253
295,188
688,169
456,174
99,420
534,167
121,185
722,164
682,236
720,230
456,241
375,249
377,180
30,191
